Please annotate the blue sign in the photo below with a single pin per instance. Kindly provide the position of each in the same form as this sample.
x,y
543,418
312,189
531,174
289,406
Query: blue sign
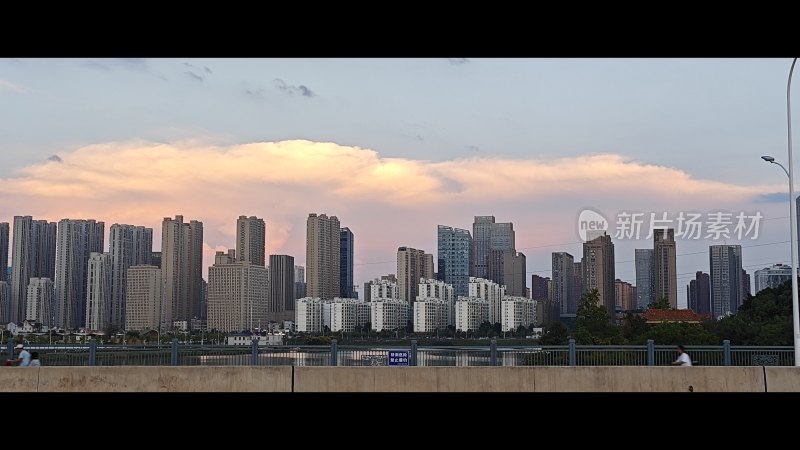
x,y
398,357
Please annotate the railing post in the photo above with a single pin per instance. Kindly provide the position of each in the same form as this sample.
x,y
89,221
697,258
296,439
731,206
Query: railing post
x,y
651,353
413,356
174,357
92,352
493,352
254,352
572,357
726,352
334,352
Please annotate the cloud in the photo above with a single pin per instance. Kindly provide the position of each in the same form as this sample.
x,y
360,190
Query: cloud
x,y
55,158
194,76
473,148
387,202
258,94
292,90
458,61
773,197
112,63
9,86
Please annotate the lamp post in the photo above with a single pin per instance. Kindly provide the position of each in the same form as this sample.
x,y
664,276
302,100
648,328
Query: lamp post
x,y
792,218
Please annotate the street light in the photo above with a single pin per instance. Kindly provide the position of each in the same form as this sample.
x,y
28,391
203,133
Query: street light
x,y
792,218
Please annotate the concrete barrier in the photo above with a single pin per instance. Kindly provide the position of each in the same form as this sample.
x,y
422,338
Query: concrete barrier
x,y
529,379
398,379
165,379
19,379
783,379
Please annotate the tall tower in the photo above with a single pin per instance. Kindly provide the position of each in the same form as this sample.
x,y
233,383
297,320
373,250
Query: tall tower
x,y
181,269
129,245
563,281
664,258
598,270
412,264
3,250
281,288
515,273
251,240
323,256
98,291
454,258
238,295
33,256
346,264
40,301
77,240
144,295
727,285
645,277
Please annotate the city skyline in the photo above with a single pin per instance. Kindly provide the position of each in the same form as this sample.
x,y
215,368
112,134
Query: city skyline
x,y
393,181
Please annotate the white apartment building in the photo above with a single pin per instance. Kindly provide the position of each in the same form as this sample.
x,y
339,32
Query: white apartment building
x,y
471,312
388,314
517,311
40,301
143,301
443,291
345,314
491,292
383,289
431,314
308,315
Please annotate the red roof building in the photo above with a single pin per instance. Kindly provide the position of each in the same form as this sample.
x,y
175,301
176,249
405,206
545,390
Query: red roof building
x,y
653,315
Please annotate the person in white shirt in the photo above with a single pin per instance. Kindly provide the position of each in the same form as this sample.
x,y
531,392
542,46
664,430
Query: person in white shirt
x,y
683,357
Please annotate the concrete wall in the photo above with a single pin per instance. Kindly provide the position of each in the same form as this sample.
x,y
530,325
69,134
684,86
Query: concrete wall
x,y
399,379
146,379
529,379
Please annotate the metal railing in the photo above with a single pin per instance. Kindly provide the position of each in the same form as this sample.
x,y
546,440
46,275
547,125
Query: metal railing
x,y
176,354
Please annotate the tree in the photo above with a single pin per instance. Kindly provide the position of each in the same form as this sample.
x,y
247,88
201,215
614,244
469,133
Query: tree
x,y
555,334
593,324
661,303
765,319
521,331
676,333
634,328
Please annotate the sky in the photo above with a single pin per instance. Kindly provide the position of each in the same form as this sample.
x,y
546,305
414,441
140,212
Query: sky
x,y
395,147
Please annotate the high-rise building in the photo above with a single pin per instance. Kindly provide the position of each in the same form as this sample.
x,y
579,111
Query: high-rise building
x,y
745,285
129,245
388,314
181,268
625,295
471,312
563,281
412,265
772,277
491,292
5,301
645,277
345,314
323,256
383,288
155,259
540,291
251,240
281,288
77,240
33,255
516,312
664,257
454,257
489,235
481,235
432,314
308,315
437,289
144,296
598,270
346,253
727,286
40,301
577,288
699,294
299,283
3,251
238,295
98,291
514,275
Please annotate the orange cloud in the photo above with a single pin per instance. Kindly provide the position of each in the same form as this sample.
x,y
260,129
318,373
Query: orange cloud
x,y
387,202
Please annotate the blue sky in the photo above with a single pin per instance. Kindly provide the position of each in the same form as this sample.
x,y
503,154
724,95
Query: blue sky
x,y
705,119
